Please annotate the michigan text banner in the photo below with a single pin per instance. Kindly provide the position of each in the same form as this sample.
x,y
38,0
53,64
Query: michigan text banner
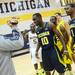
x,y
24,9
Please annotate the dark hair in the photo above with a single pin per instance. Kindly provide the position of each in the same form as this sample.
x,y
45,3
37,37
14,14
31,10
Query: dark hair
x,y
71,5
37,14
53,18
58,13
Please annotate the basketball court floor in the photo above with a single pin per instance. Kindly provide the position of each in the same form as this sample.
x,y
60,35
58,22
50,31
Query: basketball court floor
x,y
23,66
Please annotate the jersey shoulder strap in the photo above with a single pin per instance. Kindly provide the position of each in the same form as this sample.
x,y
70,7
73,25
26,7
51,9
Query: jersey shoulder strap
x,y
72,23
46,24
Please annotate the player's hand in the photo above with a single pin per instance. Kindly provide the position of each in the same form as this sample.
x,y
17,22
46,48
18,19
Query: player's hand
x,y
36,54
66,53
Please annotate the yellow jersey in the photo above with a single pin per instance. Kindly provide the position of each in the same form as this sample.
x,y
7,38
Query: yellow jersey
x,y
67,28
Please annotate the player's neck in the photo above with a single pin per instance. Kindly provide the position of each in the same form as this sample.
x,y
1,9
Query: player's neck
x,y
42,24
33,32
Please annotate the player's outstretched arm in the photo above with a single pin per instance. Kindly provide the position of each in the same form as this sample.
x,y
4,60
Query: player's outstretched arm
x,y
12,41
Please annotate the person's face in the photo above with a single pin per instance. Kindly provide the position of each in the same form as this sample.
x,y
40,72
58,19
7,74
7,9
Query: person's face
x,y
69,10
33,28
36,20
53,20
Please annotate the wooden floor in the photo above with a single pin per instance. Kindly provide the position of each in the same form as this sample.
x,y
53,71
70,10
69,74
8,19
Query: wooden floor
x,y
23,66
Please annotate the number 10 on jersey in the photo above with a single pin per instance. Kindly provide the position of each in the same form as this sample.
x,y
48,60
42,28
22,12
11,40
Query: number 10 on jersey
x,y
44,41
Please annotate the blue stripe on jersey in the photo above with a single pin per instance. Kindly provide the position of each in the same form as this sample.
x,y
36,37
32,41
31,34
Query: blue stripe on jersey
x,y
13,36
72,21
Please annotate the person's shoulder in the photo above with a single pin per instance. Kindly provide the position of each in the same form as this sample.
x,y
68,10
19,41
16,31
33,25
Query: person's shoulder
x,y
49,25
53,26
26,32
62,21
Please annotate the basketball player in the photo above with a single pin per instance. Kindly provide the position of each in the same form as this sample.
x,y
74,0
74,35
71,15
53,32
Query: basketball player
x,y
61,27
32,37
50,52
71,12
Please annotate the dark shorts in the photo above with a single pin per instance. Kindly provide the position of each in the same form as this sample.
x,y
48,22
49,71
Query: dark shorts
x,y
51,61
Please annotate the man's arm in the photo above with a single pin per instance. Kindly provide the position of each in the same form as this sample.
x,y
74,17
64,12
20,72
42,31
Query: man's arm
x,y
67,28
25,34
37,49
65,34
13,41
59,36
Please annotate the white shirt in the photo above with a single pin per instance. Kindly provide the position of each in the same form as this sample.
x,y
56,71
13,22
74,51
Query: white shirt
x,y
13,41
32,40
